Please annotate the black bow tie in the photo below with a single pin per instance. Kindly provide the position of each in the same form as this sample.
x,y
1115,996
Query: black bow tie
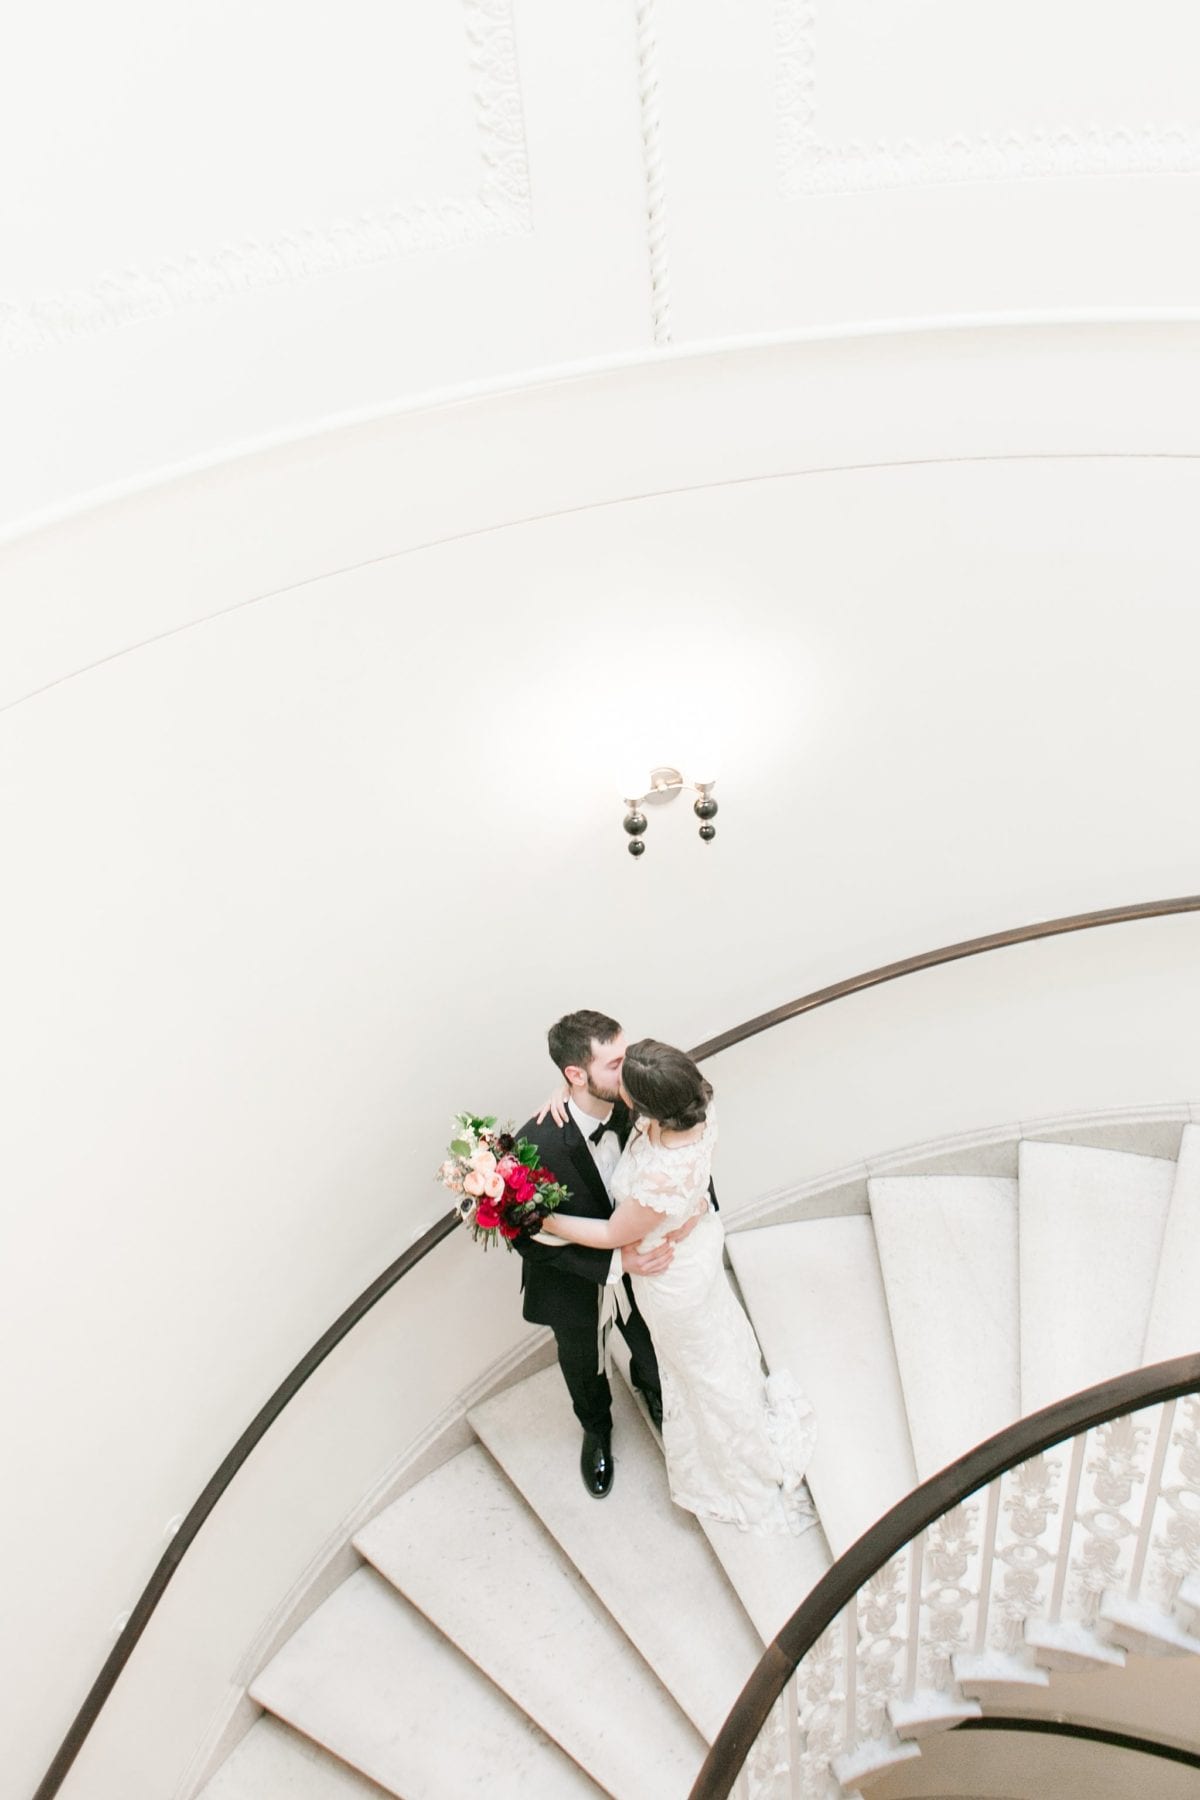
x,y
595,1136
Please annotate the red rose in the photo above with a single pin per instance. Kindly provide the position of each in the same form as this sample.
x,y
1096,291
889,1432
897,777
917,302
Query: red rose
x,y
508,1229
543,1177
487,1216
520,1184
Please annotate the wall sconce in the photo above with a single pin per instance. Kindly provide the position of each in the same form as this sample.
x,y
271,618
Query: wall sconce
x,y
668,784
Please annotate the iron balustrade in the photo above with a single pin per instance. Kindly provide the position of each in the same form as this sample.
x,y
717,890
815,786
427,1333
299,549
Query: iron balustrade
x,y
1088,1550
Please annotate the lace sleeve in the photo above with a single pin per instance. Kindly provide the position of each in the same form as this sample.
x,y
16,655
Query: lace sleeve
x,y
673,1180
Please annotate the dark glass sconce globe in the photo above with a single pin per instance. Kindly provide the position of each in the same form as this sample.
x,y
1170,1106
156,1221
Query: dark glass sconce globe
x,y
667,784
635,825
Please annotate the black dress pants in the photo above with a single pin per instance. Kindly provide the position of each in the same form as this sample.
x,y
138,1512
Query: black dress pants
x,y
591,1395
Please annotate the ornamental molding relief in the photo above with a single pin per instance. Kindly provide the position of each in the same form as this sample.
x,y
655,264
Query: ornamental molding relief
x,y
652,164
808,164
500,206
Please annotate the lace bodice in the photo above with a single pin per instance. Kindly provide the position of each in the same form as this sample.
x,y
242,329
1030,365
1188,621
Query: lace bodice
x,y
671,1178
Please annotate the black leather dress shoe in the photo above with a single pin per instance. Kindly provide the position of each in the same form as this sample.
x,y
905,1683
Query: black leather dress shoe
x,y
653,1400
596,1463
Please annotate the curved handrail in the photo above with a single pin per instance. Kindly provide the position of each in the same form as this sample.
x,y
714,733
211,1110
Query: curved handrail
x,y
934,959
290,1386
918,1510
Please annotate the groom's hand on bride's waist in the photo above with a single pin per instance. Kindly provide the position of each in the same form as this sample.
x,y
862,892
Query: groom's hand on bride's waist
x,y
652,1263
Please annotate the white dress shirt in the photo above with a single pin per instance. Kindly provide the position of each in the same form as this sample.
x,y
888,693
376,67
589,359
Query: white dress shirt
x,y
606,1155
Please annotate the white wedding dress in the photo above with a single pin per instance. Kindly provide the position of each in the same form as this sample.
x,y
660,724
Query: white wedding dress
x,y
737,1442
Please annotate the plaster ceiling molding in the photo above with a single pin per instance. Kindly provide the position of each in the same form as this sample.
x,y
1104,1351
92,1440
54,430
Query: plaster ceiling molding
x,y
496,204
656,211
871,98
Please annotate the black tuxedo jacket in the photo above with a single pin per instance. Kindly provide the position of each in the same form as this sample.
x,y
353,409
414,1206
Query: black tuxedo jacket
x,y
562,1285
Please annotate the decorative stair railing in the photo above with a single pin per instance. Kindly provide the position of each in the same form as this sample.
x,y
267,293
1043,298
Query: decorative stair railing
x,y
1060,1543
147,1603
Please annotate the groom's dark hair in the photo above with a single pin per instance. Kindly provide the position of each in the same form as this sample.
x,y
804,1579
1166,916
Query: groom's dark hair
x,y
571,1039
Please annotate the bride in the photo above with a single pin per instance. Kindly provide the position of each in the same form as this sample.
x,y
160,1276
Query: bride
x,y
736,1442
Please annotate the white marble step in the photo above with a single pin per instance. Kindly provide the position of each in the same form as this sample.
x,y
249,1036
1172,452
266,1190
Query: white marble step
x,y
872,1758
949,1255
930,1710
815,1293
646,1559
1137,1626
372,1681
465,1548
1071,1645
772,1574
997,1677
272,1762
1091,1230
1174,1325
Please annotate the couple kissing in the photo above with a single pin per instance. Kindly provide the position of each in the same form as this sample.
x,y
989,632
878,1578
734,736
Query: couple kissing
x,y
640,1244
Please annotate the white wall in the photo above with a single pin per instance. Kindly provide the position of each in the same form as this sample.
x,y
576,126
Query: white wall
x,y
290,881
284,881
1098,1021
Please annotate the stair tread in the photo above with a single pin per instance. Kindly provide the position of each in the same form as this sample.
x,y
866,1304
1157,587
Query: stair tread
x,y
372,1681
1172,1329
646,1558
815,1293
465,1548
272,1760
771,1574
949,1255
1091,1228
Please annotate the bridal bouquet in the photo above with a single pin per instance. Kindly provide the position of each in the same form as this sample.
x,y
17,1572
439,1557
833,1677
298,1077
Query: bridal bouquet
x,y
502,1192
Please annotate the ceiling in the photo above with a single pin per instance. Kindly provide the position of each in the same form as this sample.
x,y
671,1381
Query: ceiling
x,y
239,223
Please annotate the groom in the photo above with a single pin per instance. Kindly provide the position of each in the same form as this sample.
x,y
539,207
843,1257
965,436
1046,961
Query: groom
x,y
563,1285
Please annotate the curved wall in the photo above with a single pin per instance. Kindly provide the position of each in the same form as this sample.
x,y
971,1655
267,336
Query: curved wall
x,y
406,431
311,778
1030,1029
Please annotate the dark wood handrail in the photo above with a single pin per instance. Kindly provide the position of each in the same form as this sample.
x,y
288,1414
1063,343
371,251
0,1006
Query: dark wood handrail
x,y
290,1386
1038,1431
934,959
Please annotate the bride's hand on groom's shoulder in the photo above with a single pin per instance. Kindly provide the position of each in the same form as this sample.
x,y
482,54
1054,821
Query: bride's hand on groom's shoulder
x,y
556,1106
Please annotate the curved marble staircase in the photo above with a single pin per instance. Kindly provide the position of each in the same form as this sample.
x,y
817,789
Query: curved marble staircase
x,y
506,1635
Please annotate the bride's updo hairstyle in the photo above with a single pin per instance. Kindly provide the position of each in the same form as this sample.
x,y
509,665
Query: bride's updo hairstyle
x,y
665,1084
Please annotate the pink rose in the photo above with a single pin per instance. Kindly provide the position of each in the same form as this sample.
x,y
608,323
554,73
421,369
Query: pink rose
x,y
484,1178
492,1185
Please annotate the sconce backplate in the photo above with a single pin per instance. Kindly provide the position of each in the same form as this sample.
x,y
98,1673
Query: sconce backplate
x,y
665,784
